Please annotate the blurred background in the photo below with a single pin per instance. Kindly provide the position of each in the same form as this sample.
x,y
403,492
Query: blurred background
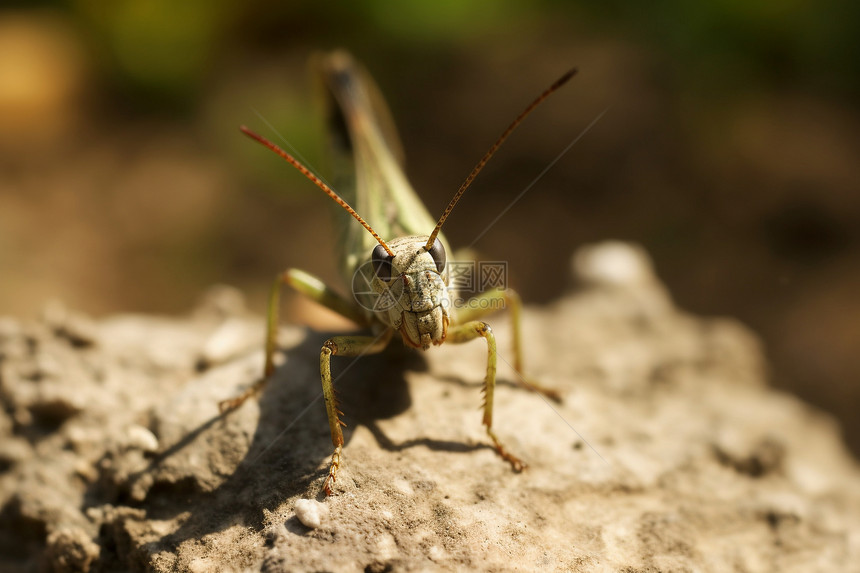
x,y
729,149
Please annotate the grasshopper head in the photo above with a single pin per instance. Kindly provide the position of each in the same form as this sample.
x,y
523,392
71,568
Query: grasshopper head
x,y
412,285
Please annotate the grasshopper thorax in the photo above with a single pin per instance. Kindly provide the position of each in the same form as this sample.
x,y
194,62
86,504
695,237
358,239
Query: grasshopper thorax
x,y
409,289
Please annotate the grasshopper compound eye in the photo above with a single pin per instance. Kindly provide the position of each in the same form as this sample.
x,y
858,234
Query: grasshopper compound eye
x,y
382,262
437,251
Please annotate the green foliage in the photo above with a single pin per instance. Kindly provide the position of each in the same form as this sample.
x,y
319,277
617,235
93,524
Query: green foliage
x,y
732,42
157,48
161,52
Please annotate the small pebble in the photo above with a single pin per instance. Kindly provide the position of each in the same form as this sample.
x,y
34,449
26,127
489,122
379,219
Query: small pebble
x,y
613,263
140,438
221,302
228,340
311,512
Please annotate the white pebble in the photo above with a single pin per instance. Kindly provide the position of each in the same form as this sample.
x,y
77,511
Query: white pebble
x,y
613,263
227,341
140,438
311,512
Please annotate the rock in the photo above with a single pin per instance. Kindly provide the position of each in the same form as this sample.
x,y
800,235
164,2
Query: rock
x,y
71,550
668,451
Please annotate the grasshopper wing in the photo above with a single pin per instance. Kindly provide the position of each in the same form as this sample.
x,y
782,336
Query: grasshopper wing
x,y
367,162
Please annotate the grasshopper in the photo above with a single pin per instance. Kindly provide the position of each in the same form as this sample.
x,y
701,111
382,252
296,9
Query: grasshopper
x,y
403,279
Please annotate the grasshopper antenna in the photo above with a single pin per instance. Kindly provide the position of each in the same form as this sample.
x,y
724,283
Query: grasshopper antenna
x,y
557,84
316,181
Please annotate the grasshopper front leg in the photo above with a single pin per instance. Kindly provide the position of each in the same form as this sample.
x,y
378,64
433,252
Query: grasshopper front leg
x,y
470,331
313,288
487,302
342,346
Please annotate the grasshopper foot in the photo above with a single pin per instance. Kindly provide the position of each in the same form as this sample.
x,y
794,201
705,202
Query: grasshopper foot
x,y
516,463
225,406
233,403
530,383
332,471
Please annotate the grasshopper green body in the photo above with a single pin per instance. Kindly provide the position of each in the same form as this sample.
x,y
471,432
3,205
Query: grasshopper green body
x,y
369,176
400,275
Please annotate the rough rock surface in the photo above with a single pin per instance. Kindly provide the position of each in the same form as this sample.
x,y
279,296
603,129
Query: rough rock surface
x,y
668,453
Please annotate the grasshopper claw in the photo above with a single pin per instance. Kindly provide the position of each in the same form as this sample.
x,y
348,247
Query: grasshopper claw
x,y
332,472
225,406
516,463
530,383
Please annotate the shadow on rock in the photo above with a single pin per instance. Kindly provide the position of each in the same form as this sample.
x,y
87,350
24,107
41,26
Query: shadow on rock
x,y
288,453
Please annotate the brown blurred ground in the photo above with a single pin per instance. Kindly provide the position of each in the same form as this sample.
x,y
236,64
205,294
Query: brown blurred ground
x,y
125,184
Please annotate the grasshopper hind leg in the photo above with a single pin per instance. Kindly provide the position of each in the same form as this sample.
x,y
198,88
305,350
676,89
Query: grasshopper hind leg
x,y
339,345
310,286
272,316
